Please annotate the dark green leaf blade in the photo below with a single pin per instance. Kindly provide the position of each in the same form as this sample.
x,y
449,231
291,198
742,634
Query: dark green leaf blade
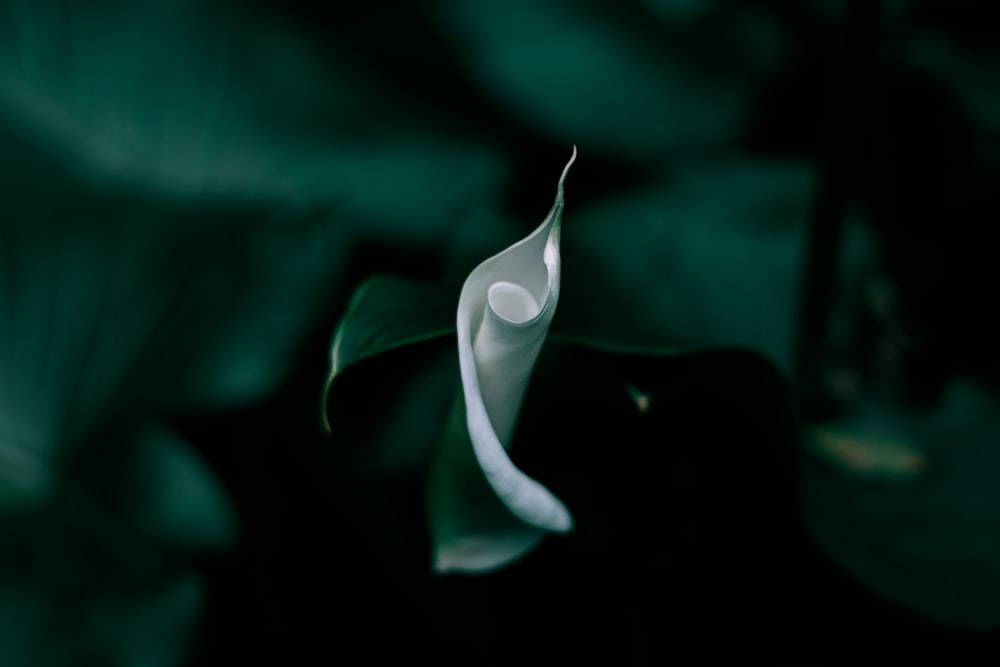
x,y
930,544
544,61
387,312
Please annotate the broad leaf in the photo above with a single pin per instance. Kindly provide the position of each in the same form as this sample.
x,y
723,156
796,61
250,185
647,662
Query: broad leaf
x,y
578,70
99,572
930,545
223,101
384,313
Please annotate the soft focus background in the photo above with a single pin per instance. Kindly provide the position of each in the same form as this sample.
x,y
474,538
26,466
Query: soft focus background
x,y
191,191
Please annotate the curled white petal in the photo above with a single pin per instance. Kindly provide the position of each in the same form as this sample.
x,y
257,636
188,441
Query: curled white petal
x,y
504,312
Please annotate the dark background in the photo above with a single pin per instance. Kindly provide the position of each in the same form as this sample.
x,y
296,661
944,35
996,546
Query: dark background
x,y
192,192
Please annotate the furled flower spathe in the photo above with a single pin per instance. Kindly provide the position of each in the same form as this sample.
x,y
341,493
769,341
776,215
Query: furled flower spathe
x,y
484,512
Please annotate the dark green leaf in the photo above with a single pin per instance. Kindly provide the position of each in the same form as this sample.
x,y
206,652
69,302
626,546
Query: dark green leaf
x,y
582,73
931,545
387,312
222,101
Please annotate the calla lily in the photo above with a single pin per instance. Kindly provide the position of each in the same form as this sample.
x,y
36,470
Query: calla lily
x,y
484,512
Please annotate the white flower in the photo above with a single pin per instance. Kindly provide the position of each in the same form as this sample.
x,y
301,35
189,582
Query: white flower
x,y
484,512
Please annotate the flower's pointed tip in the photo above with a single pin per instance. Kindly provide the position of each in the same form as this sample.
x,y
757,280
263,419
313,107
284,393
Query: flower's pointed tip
x,y
562,179
555,216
